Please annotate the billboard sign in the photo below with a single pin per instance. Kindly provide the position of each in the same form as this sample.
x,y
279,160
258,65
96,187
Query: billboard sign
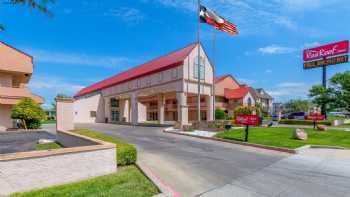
x,y
326,62
328,50
247,119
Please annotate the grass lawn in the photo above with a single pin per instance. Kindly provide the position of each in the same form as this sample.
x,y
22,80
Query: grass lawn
x,y
48,146
344,125
127,182
282,137
126,153
49,122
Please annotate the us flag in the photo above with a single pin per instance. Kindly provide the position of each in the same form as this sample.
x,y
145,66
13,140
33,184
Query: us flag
x,y
211,18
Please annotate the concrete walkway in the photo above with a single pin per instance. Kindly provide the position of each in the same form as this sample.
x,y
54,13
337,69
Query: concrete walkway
x,y
196,167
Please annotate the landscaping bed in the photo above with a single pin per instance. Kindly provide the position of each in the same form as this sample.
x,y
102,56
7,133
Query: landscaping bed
x,y
128,181
48,146
282,137
304,122
126,153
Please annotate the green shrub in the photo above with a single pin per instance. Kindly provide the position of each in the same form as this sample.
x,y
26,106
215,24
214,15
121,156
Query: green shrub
x,y
247,110
220,114
126,153
29,112
304,122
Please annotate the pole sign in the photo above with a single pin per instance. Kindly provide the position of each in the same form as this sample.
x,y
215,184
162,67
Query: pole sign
x,y
326,55
327,62
247,119
326,50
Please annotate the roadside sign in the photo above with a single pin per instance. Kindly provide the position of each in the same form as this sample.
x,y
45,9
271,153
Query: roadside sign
x,y
315,117
327,62
247,119
324,51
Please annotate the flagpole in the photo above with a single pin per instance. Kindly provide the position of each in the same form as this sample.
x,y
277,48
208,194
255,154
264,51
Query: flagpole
x,y
198,64
214,69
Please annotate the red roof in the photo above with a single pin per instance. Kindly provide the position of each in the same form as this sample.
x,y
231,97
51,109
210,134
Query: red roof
x,y
236,93
220,78
162,63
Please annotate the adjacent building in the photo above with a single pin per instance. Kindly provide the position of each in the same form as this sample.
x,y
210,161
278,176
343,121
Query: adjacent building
x,y
163,90
229,94
16,69
264,99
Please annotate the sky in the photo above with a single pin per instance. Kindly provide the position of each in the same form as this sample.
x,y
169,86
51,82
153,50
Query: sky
x,y
89,40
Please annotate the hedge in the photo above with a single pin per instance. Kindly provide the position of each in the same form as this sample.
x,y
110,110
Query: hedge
x,y
304,122
126,153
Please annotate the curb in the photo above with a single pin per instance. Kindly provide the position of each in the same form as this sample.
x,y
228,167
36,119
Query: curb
x,y
284,150
165,189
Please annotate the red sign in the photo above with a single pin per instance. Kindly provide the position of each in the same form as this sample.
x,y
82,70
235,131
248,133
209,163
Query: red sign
x,y
315,117
247,119
326,50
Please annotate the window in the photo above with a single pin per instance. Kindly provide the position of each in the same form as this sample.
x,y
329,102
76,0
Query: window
x,y
160,76
174,73
249,102
115,116
114,102
201,68
93,114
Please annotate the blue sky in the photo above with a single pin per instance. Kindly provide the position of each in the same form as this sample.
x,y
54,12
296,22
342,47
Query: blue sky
x,y
90,40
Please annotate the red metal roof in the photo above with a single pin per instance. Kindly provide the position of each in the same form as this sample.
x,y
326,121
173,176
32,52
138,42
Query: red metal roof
x,y
222,77
162,63
236,93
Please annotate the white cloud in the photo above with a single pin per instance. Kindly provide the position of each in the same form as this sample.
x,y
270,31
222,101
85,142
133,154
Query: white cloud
x,y
276,49
47,56
290,89
128,15
53,84
49,86
310,45
268,71
246,81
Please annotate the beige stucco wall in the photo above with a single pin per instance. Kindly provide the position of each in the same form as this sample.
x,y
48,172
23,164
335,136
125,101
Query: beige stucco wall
x,y
228,82
83,107
5,80
13,60
64,115
5,117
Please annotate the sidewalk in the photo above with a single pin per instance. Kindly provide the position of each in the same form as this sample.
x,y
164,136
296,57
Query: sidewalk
x,y
316,172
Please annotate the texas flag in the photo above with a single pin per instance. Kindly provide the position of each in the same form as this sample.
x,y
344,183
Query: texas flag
x,y
211,18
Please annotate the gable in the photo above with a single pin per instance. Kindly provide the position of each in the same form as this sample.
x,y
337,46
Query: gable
x,y
227,82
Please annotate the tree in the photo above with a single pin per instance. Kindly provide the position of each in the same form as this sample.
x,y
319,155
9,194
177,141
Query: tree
x,y
297,105
340,84
41,5
29,112
322,96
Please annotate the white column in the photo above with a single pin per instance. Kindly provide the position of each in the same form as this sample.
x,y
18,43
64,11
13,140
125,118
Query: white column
x,y
161,106
107,109
134,109
126,110
182,108
210,108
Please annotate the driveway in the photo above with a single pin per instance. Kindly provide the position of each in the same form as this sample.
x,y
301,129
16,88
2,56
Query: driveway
x,y
196,167
12,142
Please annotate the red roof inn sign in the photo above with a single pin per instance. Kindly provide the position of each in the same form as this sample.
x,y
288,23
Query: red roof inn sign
x,y
324,55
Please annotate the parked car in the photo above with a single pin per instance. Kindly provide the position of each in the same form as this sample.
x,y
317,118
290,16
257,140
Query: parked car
x,y
297,115
339,114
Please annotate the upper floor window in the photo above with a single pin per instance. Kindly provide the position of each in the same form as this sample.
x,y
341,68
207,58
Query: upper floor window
x,y
201,67
114,102
174,73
